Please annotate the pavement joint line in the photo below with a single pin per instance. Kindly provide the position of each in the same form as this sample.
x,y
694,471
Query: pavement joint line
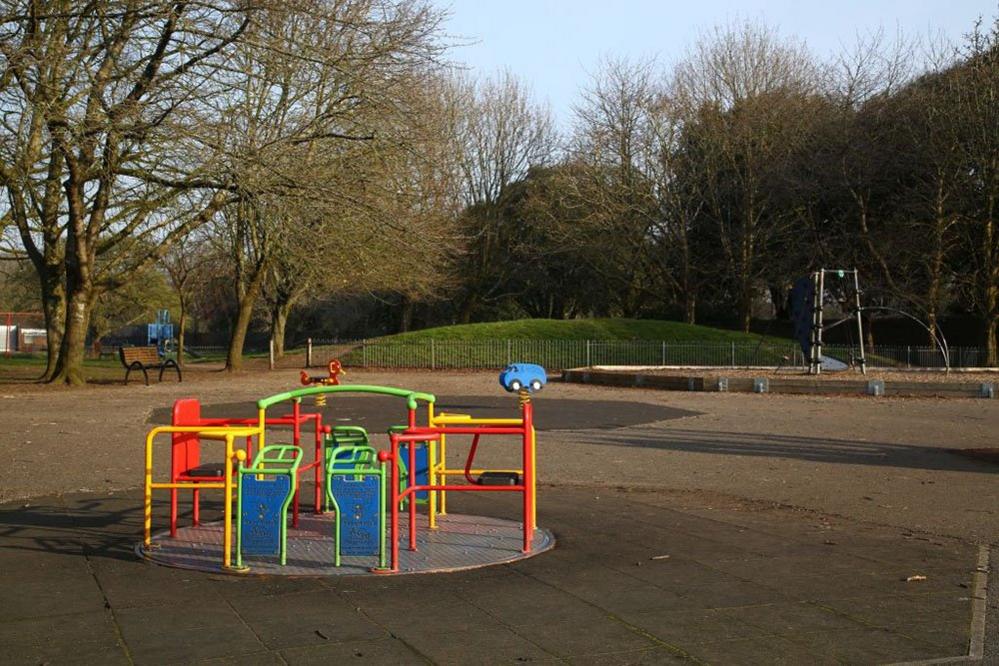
x,y
675,649
510,627
976,642
409,646
247,625
109,609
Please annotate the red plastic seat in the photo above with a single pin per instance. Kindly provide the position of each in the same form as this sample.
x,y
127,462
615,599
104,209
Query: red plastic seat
x,y
185,458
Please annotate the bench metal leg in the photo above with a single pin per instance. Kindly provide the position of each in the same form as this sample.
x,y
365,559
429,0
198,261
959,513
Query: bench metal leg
x,y
136,365
170,363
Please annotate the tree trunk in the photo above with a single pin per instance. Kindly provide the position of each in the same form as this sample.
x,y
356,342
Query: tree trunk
x,y
54,308
69,367
279,323
181,329
244,314
992,342
746,306
465,316
690,307
406,314
869,334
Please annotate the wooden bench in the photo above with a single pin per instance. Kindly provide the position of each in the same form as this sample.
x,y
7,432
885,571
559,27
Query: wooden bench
x,y
145,358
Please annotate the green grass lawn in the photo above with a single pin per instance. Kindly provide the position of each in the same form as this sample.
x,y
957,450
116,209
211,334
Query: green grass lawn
x,y
579,329
567,343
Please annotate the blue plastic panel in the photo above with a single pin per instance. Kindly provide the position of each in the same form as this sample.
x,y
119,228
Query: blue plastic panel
x,y
422,467
261,515
359,520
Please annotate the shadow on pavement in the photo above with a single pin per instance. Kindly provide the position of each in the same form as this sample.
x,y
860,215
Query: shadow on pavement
x,y
813,449
376,413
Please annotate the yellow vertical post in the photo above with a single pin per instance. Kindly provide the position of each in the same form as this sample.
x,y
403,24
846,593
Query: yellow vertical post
x,y
227,526
148,498
432,495
534,477
262,417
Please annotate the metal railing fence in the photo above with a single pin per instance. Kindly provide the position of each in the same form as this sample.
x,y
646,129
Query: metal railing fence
x,y
560,354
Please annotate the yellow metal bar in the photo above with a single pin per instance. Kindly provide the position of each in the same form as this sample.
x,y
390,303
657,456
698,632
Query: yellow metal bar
x,y
192,486
226,433
432,477
147,500
459,472
534,477
262,418
468,420
227,527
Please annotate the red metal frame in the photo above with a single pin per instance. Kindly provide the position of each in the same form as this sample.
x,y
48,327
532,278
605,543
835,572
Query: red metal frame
x,y
422,434
186,451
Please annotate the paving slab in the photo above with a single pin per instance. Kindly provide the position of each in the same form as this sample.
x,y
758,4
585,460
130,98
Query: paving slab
x,y
637,578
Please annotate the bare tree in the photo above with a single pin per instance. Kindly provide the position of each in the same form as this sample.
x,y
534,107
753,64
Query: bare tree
x,y
187,264
751,96
91,92
974,91
315,109
501,132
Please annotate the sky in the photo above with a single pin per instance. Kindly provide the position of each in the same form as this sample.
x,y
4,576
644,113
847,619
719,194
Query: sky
x,y
555,45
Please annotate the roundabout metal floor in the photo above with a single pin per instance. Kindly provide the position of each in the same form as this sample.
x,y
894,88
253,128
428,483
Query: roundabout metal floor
x,y
460,542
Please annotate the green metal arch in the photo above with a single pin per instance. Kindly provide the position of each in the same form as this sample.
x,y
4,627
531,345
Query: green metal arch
x,y
412,397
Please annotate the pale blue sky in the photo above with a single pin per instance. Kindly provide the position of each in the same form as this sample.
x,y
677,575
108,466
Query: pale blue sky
x,y
555,44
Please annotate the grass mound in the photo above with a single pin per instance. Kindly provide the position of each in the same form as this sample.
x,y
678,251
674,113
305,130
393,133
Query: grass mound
x,y
577,329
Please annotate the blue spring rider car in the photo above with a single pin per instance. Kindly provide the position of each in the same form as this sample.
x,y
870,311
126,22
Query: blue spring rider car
x,y
520,376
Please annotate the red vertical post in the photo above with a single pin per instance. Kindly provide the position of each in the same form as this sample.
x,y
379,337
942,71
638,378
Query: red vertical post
x,y
394,494
528,480
412,418
411,449
320,462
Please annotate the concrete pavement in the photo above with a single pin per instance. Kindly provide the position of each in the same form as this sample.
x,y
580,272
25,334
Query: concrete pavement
x,y
637,578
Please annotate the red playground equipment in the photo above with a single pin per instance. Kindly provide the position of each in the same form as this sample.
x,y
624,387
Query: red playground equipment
x,y
185,458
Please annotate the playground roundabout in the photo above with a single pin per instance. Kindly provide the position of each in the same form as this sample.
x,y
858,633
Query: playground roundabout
x,y
331,498
459,542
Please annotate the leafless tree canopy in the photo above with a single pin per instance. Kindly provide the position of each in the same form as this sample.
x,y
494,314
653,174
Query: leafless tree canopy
x,y
281,157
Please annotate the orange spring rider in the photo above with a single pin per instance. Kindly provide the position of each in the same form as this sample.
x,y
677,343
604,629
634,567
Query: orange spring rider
x,y
335,370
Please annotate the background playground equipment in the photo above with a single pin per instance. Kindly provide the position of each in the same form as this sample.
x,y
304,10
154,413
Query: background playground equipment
x,y
518,377
349,459
263,494
808,297
159,334
335,370
808,314
185,454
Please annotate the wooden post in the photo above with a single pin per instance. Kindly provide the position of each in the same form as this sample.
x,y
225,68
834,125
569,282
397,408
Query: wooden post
x,y
308,353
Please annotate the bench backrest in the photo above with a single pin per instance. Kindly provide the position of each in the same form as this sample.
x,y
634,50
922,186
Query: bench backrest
x,y
145,355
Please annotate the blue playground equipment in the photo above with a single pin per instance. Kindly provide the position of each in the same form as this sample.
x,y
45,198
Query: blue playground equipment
x,y
264,492
160,333
518,377
355,485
